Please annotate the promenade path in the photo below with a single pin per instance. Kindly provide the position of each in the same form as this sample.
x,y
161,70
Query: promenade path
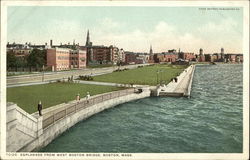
x,y
180,88
43,77
78,81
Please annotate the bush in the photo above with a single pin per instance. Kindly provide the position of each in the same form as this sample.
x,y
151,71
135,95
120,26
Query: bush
x,y
120,70
86,78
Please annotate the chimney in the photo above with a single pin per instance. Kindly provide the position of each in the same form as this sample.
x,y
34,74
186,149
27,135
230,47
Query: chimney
x,y
51,43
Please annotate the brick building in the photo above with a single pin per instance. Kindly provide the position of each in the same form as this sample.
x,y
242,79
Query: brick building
x,y
19,50
65,59
170,56
187,56
105,55
233,57
130,58
239,58
201,57
136,57
165,57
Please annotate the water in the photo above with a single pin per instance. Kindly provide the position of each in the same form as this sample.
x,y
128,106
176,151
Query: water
x,y
209,122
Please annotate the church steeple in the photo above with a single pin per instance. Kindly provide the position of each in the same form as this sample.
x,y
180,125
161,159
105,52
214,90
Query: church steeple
x,y
88,39
151,50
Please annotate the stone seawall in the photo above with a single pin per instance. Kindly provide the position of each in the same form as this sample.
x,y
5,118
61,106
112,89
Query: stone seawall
x,y
188,93
39,137
179,88
22,128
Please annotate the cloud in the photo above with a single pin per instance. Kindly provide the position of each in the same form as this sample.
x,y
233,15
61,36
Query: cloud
x,y
162,38
225,33
225,25
62,31
109,23
210,36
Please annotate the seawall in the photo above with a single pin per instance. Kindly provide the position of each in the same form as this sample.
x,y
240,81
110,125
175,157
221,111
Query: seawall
x,y
32,132
180,87
190,82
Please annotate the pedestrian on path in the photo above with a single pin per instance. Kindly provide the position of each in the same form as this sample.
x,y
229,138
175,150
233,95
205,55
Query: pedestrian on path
x,y
39,108
87,97
78,97
175,79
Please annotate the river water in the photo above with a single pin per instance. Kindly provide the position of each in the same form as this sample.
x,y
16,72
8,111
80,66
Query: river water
x,y
209,122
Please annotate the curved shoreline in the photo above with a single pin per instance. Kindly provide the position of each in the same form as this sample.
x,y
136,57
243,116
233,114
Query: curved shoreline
x,y
33,132
27,132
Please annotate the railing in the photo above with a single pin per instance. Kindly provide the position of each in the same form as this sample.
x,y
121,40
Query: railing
x,y
62,112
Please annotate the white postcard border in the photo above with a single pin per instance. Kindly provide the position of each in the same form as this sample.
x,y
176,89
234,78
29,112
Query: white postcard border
x,y
244,4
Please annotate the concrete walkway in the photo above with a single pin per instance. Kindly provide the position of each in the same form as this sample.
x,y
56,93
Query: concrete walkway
x,y
180,88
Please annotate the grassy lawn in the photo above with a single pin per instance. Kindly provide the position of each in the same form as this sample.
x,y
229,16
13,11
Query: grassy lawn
x,y
145,75
27,97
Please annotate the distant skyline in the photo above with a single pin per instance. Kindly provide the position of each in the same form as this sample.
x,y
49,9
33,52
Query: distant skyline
x,y
131,28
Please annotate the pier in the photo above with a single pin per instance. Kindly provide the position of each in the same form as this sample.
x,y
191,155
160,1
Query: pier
x,y
179,88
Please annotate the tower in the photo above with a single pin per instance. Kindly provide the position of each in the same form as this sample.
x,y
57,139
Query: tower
x,y
51,43
179,53
201,51
151,51
88,43
222,53
88,46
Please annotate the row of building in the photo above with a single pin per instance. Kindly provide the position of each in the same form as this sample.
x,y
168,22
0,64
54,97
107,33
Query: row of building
x,y
70,56
173,56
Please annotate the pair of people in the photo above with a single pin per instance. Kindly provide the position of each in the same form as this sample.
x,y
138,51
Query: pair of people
x,y
87,97
174,79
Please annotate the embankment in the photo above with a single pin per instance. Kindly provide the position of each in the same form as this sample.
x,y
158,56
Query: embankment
x,y
27,132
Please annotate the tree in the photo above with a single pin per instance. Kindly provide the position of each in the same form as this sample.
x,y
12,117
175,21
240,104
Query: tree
x,y
37,58
11,60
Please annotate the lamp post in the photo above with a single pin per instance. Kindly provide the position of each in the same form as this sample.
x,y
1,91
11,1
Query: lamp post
x,y
43,74
160,76
157,74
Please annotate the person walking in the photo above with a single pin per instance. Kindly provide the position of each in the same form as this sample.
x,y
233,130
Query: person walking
x,y
78,97
39,108
87,97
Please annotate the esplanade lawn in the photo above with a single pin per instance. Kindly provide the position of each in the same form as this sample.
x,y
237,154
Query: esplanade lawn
x,y
51,94
147,75
27,97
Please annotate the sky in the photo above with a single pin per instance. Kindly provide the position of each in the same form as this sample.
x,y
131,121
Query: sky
x,y
132,28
